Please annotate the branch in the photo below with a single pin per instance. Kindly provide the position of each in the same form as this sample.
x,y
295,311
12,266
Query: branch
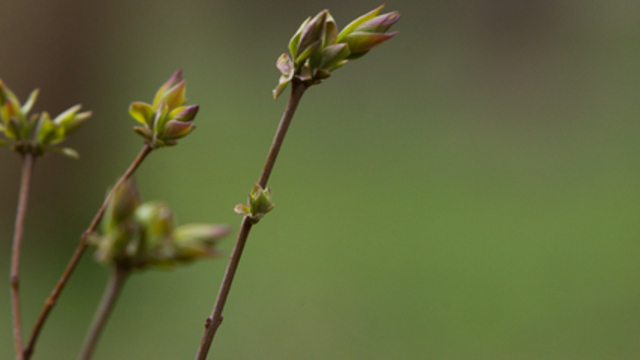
x,y
111,292
214,321
82,245
28,162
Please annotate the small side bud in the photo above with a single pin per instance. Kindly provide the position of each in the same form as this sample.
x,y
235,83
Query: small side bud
x,y
196,241
258,204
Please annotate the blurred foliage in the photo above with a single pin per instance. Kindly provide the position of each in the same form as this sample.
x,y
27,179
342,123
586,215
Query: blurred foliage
x,y
479,178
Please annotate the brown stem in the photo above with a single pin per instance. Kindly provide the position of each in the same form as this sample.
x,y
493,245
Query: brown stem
x,y
214,321
111,292
82,245
28,161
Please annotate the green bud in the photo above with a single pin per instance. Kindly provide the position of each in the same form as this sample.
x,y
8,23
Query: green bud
x,y
167,119
48,132
379,24
37,132
295,40
334,54
156,219
357,22
330,34
195,241
258,204
142,112
115,247
317,48
175,129
311,34
175,96
70,120
161,120
161,94
122,206
138,235
367,32
184,113
361,43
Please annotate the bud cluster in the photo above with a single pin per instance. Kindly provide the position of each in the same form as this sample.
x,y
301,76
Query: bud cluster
x,y
167,119
317,48
36,133
258,204
138,235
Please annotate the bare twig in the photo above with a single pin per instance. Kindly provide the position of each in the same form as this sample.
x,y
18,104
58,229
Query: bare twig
x,y
111,292
28,161
213,322
82,245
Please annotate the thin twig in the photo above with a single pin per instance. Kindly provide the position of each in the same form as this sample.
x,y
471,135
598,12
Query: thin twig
x,y
82,245
213,322
28,161
111,292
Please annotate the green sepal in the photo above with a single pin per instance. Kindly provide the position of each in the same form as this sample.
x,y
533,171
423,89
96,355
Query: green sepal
x,y
340,64
160,120
30,101
11,109
48,132
362,41
175,96
142,112
175,129
333,54
293,43
321,74
12,128
184,113
310,50
355,23
144,132
75,123
282,84
70,120
175,78
379,24
242,209
311,33
330,34
195,241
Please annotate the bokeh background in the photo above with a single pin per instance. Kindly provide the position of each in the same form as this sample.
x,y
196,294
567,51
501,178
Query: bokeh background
x,y
468,190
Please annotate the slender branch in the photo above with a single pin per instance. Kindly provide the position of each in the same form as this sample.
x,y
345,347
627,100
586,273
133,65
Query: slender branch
x,y
28,162
82,245
213,322
111,292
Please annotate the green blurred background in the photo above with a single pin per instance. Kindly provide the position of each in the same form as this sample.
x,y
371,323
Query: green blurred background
x,y
468,190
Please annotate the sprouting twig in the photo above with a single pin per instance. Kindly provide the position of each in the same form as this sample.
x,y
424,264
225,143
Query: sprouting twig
x,y
82,245
214,321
